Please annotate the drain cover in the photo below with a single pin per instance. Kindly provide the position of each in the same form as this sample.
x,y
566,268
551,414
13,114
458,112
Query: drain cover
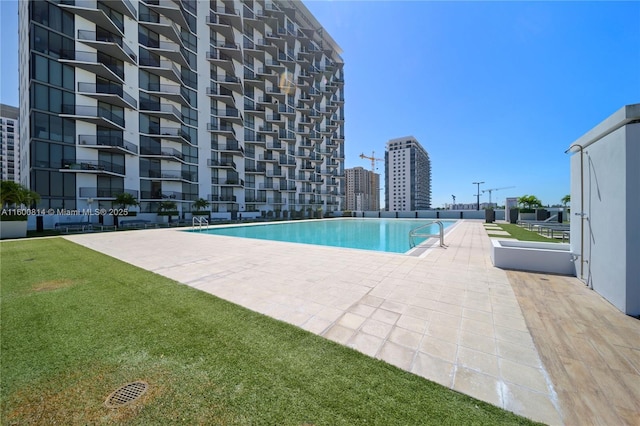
x,y
126,394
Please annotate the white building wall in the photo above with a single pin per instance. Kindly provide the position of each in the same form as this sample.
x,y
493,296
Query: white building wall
x,y
605,200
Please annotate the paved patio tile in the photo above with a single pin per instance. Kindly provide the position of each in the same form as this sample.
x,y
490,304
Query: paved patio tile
x,y
447,315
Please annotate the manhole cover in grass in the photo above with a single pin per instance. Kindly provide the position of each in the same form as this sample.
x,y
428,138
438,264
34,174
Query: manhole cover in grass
x,y
126,394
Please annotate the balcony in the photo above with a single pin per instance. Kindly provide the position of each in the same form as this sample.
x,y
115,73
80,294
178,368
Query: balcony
x,y
170,133
231,115
230,49
109,44
171,175
172,92
162,26
276,201
93,114
221,164
251,137
266,46
168,49
303,107
161,195
276,174
276,146
96,167
286,161
221,25
250,48
230,82
228,182
255,170
88,61
107,143
104,193
285,134
230,14
268,74
170,9
275,118
166,111
169,154
231,147
88,10
252,78
110,93
215,198
271,186
287,110
276,93
222,128
161,67
222,94
250,107
269,157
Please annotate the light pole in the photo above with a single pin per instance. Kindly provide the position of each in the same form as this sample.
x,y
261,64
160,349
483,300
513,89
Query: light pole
x,y
478,194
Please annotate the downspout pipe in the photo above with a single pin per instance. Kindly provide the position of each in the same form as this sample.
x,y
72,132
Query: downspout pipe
x,y
582,214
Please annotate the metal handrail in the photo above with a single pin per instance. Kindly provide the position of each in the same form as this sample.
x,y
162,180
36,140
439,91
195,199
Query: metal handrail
x,y
200,220
414,233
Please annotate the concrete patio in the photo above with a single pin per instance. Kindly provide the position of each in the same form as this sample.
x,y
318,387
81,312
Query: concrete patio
x,y
447,315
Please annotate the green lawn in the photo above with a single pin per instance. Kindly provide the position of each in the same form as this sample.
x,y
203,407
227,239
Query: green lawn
x,y
76,325
521,234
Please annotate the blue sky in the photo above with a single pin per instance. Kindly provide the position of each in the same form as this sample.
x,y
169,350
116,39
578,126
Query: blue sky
x,y
494,91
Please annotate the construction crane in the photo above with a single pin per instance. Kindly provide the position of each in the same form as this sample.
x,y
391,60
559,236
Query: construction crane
x,y
373,159
495,189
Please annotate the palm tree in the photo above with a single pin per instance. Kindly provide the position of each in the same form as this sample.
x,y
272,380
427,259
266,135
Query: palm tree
x,y
14,194
566,200
200,204
124,199
529,201
167,208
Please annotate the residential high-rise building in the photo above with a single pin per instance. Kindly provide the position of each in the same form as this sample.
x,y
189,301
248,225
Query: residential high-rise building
x,y
363,191
408,175
237,102
9,131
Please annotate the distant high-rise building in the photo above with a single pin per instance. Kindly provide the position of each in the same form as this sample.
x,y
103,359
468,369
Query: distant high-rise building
x,y
237,102
9,131
408,175
363,191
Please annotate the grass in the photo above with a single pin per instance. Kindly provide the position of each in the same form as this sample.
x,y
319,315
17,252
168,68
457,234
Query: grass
x,y
521,234
77,324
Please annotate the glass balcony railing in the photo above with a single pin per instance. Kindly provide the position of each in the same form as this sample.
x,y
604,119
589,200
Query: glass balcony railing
x,y
107,141
93,112
107,89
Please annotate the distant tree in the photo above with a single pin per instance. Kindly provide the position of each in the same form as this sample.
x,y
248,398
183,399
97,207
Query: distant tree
x,y
566,200
529,201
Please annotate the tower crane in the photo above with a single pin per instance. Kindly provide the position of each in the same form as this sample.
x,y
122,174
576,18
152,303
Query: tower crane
x,y
373,159
495,189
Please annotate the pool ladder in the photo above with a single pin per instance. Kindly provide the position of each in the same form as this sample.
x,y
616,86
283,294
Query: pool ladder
x,y
200,221
416,233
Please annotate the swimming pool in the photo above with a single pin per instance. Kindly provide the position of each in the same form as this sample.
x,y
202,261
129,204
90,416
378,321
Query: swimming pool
x,y
388,235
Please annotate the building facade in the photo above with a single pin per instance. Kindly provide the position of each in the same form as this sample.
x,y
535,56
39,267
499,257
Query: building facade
x,y
408,175
237,102
10,143
363,189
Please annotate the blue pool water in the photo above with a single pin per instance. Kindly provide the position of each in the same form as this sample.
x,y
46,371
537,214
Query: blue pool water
x,y
389,235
